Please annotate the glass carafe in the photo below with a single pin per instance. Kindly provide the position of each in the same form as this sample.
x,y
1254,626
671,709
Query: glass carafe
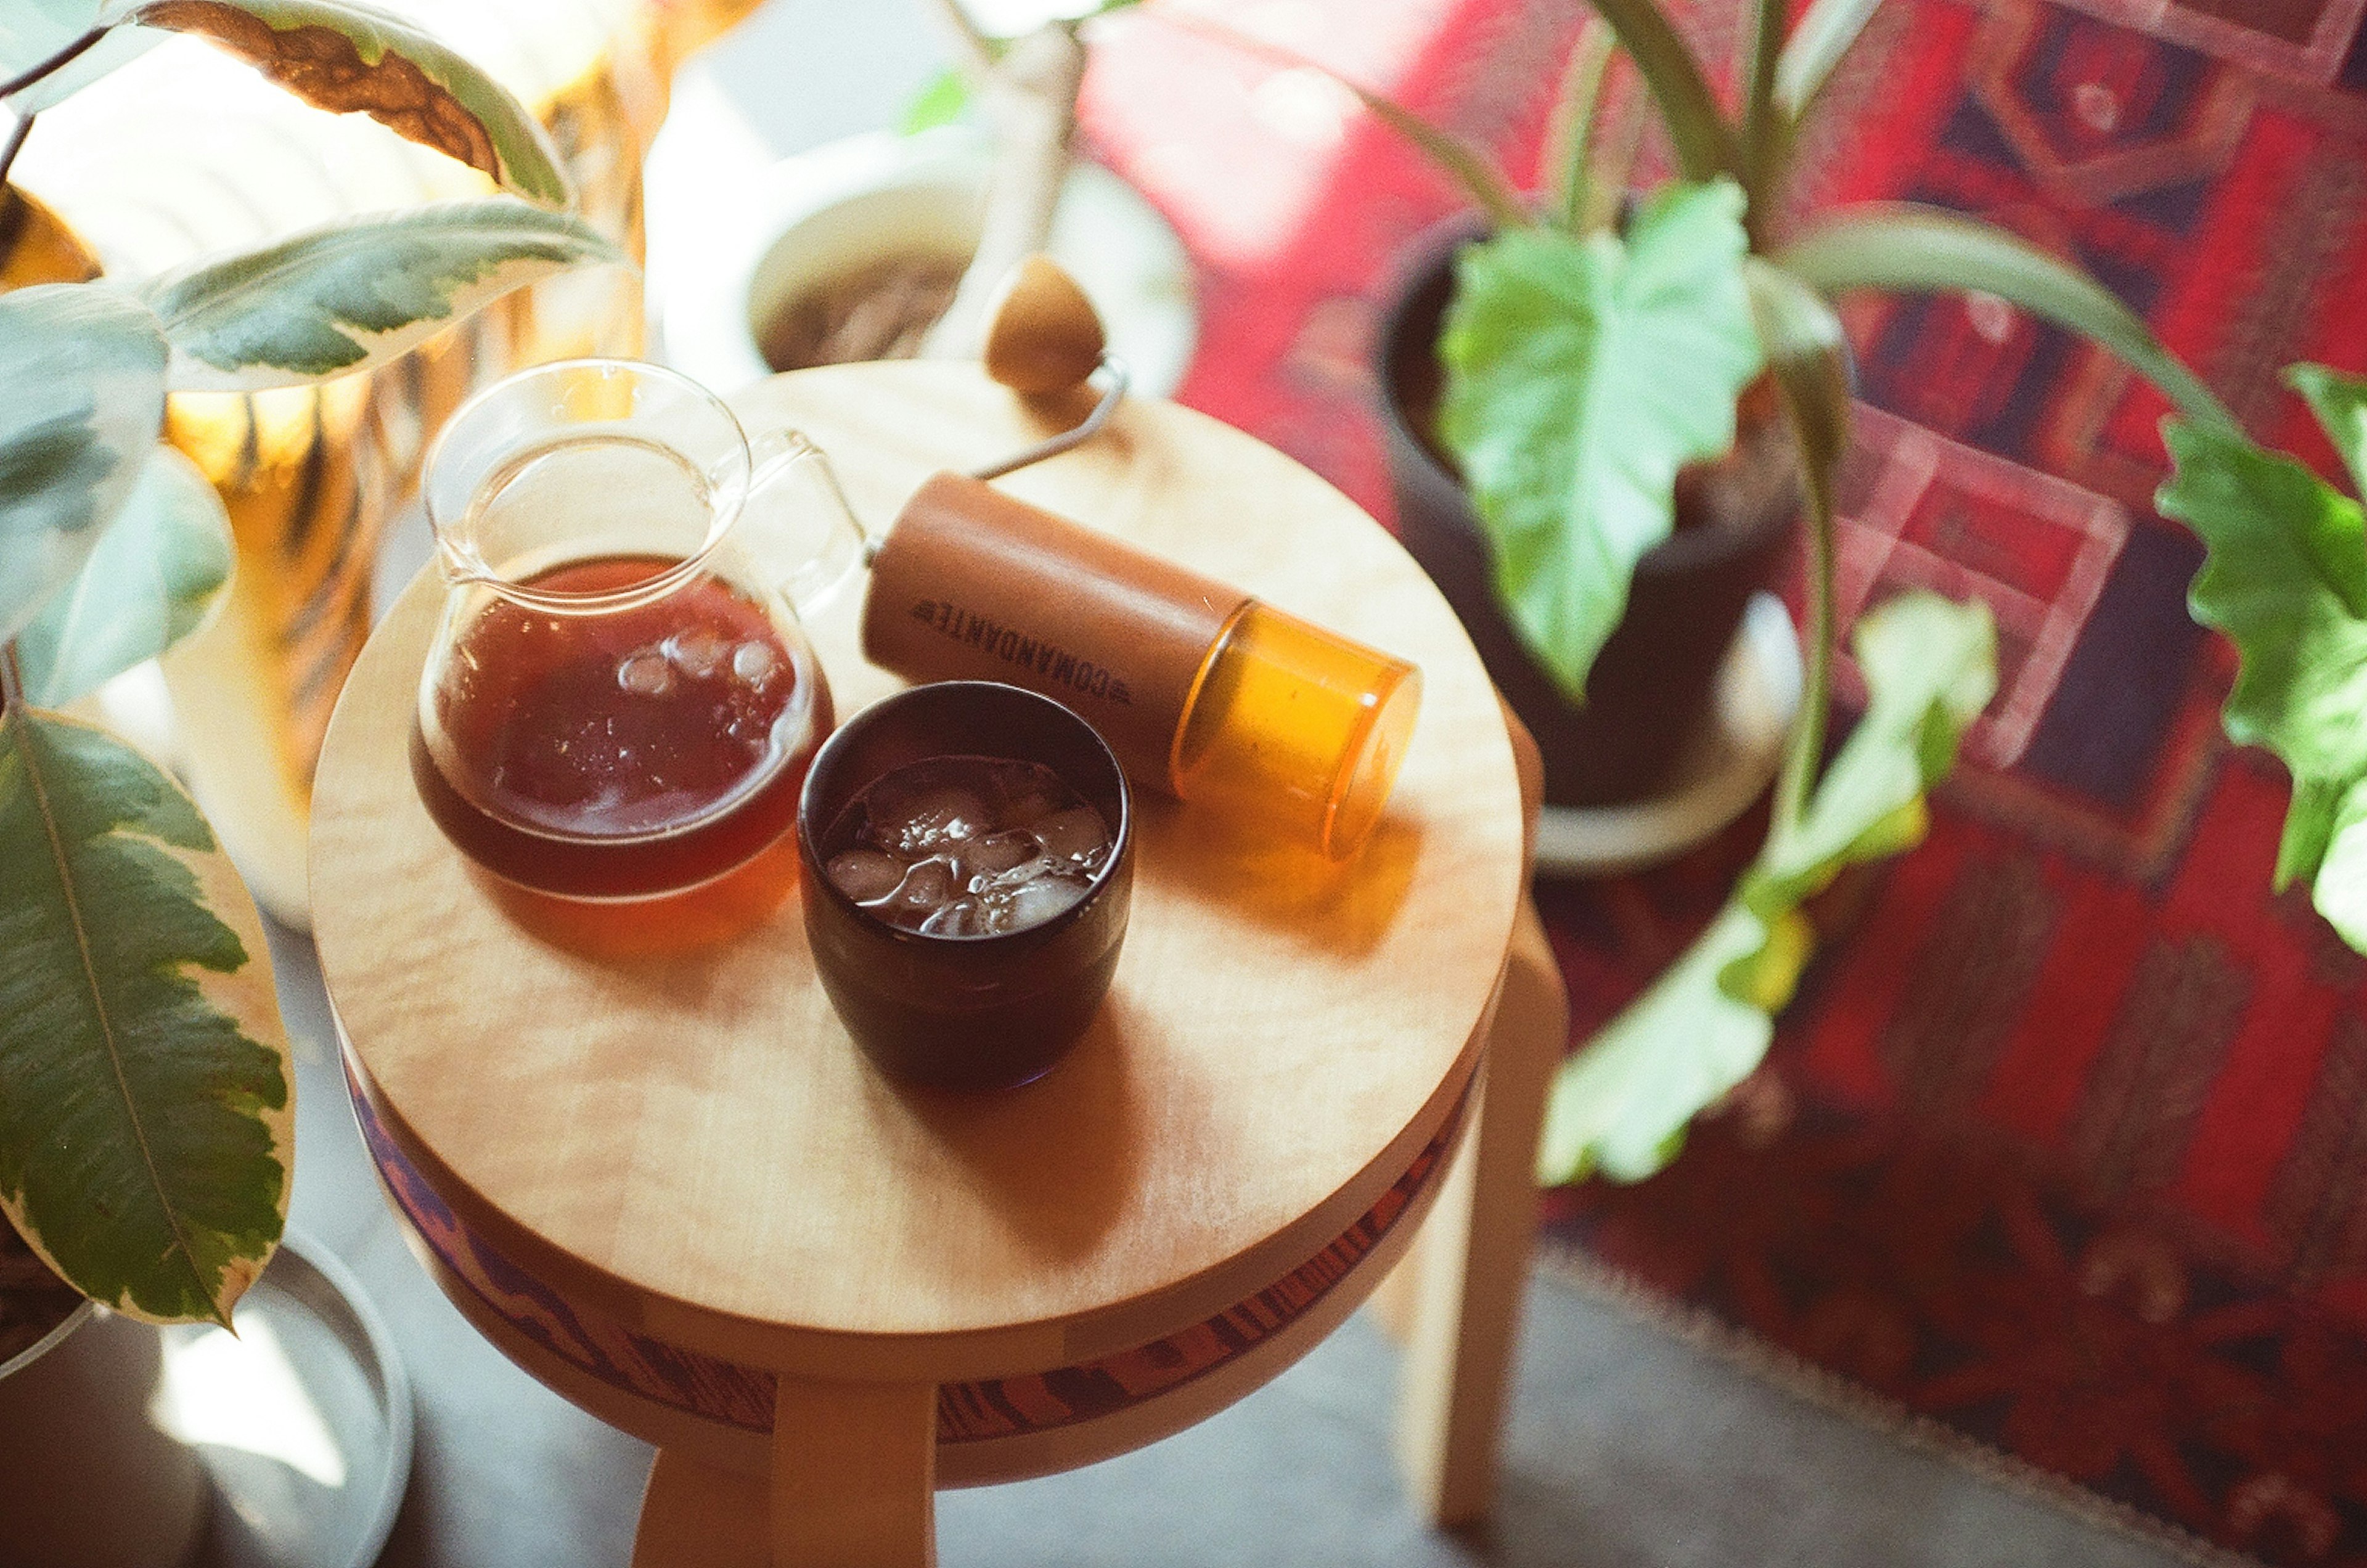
x,y
621,702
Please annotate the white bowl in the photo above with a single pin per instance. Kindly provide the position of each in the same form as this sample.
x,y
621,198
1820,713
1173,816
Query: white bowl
x,y
824,213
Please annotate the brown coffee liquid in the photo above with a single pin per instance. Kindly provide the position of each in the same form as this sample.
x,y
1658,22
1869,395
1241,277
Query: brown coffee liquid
x,y
623,754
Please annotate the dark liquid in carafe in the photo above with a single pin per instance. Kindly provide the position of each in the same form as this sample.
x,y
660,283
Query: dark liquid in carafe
x,y
623,754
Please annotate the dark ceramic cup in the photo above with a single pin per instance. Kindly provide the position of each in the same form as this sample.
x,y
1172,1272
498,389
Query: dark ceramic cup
x,y
956,1011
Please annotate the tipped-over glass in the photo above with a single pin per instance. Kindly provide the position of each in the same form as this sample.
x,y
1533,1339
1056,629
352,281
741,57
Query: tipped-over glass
x,y
621,702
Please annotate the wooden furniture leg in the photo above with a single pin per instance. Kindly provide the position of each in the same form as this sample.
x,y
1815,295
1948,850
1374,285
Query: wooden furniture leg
x,y
695,1516
1455,1303
855,1475
853,1486
1471,1261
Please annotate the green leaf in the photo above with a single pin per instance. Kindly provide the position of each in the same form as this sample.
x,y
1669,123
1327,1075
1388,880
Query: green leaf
x,y
32,30
38,31
2341,891
1458,160
1929,667
2309,829
146,1118
82,397
346,58
2286,580
944,100
118,48
353,294
1622,1102
1895,245
157,572
1464,163
2340,403
1704,144
1818,41
1581,373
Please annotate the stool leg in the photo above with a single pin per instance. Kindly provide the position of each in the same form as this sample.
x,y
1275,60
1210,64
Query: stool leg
x,y
694,1516
855,1472
1472,1257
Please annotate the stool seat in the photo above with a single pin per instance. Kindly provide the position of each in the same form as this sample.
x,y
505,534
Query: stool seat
x,y
672,1187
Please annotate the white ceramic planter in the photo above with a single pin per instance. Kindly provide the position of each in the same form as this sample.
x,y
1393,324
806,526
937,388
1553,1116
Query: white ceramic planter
x,y
735,258
91,1481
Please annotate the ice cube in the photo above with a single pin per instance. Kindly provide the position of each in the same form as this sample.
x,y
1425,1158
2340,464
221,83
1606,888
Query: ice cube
x,y
1034,901
1073,834
1019,875
697,651
925,888
1029,795
645,674
926,821
988,856
866,874
754,663
963,916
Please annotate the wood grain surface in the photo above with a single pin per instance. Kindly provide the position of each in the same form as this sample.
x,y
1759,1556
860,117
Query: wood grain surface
x,y
693,1143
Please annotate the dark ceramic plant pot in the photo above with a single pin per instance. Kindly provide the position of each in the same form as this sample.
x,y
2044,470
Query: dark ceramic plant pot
x,y
1655,681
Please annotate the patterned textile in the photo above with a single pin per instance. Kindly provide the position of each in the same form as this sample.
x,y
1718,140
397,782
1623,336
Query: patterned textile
x,y
2064,1144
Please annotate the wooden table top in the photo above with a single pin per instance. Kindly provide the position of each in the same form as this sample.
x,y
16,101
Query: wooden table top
x,y
694,1144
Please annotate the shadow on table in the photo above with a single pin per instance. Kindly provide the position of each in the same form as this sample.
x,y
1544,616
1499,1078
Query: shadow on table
x,y
1058,1158
1291,889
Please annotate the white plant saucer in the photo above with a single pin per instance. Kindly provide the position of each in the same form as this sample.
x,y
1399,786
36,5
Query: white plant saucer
x,y
1723,769
302,1421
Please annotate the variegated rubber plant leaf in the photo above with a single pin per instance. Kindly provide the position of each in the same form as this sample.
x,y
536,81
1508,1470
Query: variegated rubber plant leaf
x,y
146,1121
347,58
32,30
2286,580
1583,372
353,294
1621,1104
82,397
156,574
35,34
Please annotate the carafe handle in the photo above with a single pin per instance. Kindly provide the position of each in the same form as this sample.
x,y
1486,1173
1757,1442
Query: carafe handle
x,y
797,521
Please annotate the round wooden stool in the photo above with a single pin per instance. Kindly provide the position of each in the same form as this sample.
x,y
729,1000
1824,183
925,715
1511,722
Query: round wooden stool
x,y
672,1190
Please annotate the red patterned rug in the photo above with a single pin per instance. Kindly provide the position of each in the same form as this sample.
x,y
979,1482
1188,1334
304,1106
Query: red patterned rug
x,y
2064,1145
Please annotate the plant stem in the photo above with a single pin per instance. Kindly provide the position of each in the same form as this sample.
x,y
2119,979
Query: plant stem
x,y
976,49
1571,140
12,682
1612,169
16,141
1761,41
1807,756
58,61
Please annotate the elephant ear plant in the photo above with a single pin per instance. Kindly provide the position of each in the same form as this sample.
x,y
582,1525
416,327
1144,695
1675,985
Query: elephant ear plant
x,y
1589,358
2286,580
145,1113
